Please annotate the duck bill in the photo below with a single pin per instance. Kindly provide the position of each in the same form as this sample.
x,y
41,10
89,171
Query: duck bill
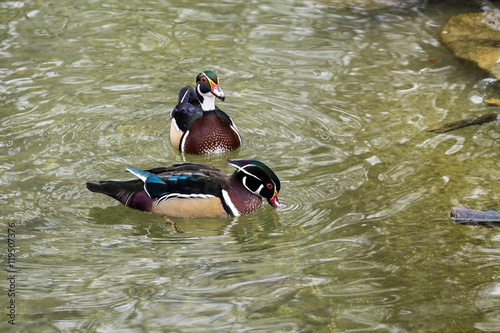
x,y
217,91
274,200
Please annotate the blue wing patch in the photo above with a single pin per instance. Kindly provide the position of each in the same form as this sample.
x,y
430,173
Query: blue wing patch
x,y
184,185
153,185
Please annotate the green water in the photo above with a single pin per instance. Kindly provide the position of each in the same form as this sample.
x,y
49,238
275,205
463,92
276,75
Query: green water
x,y
336,101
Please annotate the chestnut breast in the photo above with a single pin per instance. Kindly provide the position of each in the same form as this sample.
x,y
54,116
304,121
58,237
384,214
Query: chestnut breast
x,y
211,134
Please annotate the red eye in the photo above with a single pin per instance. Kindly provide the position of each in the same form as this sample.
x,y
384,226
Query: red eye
x,y
203,80
269,185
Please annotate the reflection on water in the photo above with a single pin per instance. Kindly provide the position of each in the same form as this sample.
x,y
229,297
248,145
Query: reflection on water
x,y
336,101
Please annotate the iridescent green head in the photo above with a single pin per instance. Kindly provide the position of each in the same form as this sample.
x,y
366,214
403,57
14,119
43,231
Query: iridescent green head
x,y
259,179
207,82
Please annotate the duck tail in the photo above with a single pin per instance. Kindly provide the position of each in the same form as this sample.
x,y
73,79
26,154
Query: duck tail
x,y
121,191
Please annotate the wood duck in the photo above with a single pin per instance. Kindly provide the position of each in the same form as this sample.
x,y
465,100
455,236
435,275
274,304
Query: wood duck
x,y
196,190
198,126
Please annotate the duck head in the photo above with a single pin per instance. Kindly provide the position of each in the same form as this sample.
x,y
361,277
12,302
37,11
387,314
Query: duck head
x,y
207,88
259,179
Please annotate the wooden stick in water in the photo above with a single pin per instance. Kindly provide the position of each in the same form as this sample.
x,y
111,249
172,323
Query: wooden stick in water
x,y
465,122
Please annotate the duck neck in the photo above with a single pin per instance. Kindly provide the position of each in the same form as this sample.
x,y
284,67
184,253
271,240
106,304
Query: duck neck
x,y
207,102
243,200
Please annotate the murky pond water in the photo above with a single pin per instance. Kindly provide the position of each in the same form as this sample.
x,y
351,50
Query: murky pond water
x,y
336,100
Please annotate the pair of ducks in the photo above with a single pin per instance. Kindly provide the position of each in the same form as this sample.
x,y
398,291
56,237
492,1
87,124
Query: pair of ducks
x,y
197,190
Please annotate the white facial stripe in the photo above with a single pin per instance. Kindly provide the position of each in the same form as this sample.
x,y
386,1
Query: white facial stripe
x,y
254,192
229,203
242,169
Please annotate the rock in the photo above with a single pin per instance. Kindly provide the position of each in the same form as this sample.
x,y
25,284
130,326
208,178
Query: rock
x,y
489,218
475,37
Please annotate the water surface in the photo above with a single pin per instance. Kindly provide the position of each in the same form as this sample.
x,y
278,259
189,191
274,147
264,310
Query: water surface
x,y
335,100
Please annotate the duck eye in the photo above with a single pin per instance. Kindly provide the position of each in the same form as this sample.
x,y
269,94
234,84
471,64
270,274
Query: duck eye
x,y
203,80
269,185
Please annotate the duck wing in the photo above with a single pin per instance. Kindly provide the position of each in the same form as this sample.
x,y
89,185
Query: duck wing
x,y
182,181
188,108
224,116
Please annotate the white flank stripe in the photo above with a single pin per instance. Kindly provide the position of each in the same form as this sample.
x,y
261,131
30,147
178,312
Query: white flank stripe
x,y
229,203
183,196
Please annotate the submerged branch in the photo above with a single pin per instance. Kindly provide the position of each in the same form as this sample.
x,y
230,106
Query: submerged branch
x,y
465,122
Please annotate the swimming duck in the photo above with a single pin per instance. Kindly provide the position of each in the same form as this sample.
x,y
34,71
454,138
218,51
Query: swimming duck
x,y
198,126
196,190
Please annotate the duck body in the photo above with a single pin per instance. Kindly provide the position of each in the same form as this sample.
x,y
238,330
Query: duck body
x,y
198,126
195,190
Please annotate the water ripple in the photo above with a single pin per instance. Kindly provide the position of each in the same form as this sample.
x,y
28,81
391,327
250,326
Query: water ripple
x,y
336,101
